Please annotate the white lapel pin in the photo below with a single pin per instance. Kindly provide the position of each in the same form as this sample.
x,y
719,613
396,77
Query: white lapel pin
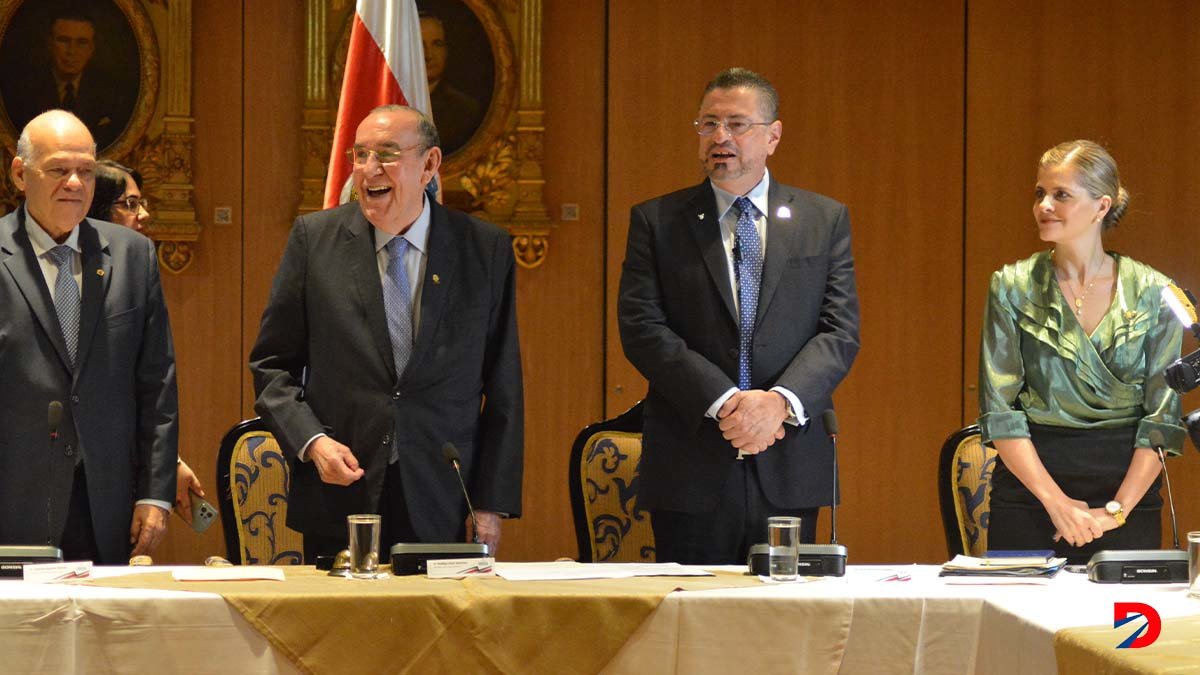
x,y
700,216
783,212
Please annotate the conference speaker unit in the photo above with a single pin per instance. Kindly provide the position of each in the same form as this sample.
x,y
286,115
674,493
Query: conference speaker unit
x,y
13,559
410,559
1138,567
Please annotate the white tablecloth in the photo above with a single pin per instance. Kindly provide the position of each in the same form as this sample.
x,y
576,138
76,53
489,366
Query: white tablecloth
x,y
855,624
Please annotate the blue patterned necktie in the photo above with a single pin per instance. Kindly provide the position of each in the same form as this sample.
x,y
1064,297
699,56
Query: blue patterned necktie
x,y
66,297
748,260
397,303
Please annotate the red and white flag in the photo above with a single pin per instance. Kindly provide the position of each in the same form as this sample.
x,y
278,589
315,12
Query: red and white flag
x,y
386,64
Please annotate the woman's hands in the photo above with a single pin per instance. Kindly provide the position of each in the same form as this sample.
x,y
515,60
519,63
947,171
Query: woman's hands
x,y
1074,521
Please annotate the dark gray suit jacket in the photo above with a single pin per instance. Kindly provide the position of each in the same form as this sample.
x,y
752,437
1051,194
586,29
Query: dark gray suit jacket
x,y
326,313
679,328
120,408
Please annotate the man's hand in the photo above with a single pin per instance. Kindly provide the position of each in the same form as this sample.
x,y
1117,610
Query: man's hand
x,y
147,528
753,420
336,464
489,530
185,484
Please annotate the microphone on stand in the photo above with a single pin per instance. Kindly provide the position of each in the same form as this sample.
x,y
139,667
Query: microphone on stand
x,y
1157,442
54,413
451,454
829,419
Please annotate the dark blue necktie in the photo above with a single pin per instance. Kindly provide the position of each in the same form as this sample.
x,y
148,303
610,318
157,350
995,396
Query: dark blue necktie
x,y
749,263
66,297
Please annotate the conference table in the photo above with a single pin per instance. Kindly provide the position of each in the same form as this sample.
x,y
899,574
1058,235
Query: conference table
x,y
876,619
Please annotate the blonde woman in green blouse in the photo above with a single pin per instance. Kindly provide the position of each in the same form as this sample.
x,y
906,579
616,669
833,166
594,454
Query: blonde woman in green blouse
x,y
1075,340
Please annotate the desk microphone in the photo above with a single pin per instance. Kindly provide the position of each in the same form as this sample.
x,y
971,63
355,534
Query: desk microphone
x,y
829,419
451,454
825,560
54,413
1157,442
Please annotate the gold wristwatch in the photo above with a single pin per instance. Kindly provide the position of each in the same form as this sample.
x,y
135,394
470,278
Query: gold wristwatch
x,y
1115,510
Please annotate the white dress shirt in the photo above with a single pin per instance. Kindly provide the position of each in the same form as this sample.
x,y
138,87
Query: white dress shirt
x,y
728,216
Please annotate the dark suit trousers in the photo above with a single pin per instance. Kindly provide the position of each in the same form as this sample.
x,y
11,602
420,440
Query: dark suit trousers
x,y
78,540
724,536
395,526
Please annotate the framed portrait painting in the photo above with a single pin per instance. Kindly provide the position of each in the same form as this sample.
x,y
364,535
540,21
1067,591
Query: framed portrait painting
x,y
102,60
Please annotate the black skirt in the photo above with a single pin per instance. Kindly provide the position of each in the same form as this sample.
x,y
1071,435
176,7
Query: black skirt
x,y
1089,465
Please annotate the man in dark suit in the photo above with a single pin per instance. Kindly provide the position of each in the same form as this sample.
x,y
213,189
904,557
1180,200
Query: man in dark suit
x,y
737,303
84,329
402,315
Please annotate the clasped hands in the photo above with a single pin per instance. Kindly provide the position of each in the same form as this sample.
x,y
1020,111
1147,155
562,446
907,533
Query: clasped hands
x,y
1076,522
753,420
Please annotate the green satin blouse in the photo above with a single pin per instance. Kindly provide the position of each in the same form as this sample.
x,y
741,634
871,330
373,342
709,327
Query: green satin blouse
x,y
1037,364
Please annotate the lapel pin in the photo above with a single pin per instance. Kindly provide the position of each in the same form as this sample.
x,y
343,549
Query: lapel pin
x,y
436,280
700,216
783,212
99,273
1129,315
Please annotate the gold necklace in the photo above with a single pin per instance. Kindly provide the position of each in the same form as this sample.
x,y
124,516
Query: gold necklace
x,y
1078,298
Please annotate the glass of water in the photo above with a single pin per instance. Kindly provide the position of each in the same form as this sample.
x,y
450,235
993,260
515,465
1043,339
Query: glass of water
x,y
783,536
364,544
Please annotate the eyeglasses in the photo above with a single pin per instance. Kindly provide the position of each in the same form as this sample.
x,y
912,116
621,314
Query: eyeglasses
x,y
132,203
361,156
708,127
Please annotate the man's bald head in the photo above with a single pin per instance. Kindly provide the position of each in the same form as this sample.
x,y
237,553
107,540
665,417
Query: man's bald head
x,y
55,167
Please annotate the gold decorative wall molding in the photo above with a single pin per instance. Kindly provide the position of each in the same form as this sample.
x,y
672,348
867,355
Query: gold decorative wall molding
x,y
497,174
158,137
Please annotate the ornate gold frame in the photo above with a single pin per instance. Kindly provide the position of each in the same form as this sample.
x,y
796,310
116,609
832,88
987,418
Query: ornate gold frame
x,y
498,175
158,140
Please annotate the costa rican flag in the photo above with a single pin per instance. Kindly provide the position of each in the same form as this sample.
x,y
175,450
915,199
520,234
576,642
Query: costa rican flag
x,y
385,65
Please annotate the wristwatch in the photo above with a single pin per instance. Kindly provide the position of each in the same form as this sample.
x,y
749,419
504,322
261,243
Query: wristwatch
x,y
1115,510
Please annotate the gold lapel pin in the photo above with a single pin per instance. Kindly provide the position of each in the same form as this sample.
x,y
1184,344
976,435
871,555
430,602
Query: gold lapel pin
x,y
1129,314
99,273
436,280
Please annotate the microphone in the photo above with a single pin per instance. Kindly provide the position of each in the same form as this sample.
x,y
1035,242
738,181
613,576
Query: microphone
x,y
54,413
451,454
829,419
54,418
1157,442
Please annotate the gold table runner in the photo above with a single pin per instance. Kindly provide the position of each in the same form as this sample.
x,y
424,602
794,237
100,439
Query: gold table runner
x,y
1092,650
414,624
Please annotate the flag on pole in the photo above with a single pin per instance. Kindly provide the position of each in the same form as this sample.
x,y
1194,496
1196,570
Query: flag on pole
x,y
385,65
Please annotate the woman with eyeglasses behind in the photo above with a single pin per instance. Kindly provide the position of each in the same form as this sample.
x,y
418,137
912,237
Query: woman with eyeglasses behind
x,y
118,199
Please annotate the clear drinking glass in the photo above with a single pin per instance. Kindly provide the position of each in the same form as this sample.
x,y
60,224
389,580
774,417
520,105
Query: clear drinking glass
x,y
364,544
1193,542
783,536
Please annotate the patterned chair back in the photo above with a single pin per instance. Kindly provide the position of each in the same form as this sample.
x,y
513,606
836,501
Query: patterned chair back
x,y
253,480
965,490
609,526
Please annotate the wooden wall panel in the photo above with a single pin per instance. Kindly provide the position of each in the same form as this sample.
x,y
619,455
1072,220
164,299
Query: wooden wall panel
x,y
204,300
561,303
1041,73
872,110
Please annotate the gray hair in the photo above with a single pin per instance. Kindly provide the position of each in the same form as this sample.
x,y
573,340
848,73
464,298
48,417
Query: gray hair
x,y
426,130
25,148
732,78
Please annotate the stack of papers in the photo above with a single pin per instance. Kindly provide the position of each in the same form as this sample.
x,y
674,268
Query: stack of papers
x,y
1006,566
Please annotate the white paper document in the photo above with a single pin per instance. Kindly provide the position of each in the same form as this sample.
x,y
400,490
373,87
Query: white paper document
x,y
565,570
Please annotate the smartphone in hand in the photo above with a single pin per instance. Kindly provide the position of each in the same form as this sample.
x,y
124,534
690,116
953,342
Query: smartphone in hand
x,y
203,513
